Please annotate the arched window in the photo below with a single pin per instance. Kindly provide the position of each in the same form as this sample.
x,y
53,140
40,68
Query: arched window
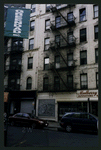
x,y
29,83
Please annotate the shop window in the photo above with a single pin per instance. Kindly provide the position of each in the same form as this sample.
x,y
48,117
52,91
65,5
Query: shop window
x,y
30,62
96,31
96,55
47,24
45,84
82,14
83,35
83,81
46,45
29,83
32,25
31,43
83,57
95,8
46,63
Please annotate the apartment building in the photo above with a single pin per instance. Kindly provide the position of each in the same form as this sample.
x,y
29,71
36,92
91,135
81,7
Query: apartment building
x,y
59,61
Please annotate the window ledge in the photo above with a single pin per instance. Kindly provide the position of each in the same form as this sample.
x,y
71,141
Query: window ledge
x,y
83,42
95,40
82,21
95,17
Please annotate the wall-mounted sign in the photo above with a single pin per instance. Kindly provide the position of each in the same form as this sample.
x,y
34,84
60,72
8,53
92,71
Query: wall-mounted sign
x,y
87,94
17,23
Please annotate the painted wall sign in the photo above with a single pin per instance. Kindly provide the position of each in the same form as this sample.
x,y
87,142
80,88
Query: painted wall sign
x,y
87,94
46,107
17,22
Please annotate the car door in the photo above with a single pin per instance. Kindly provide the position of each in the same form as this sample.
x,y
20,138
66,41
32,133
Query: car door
x,y
77,121
89,122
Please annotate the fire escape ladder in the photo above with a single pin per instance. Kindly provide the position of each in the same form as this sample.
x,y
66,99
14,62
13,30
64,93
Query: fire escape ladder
x,y
62,36
60,77
62,56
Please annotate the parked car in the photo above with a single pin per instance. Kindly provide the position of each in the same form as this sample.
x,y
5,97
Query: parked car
x,y
79,121
25,119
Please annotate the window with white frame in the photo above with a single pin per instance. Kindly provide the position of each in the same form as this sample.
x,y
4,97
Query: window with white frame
x,y
47,24
57,62
83,81
96,79
96,55
70,59
32,25
46,63
95,7
82,14
46,46
33,8
30,62
29,83
31,43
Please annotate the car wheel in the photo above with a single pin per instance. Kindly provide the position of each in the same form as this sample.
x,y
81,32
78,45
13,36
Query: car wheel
x,y
12,123
33,126
68,128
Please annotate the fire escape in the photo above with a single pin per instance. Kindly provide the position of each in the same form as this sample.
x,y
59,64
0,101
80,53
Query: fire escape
x,y
62,41
13,68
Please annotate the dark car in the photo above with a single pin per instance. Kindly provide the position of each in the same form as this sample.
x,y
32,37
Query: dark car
x,y
25,120
79,121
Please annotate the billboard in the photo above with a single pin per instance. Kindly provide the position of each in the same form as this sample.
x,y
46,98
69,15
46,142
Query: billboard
x,y
17,23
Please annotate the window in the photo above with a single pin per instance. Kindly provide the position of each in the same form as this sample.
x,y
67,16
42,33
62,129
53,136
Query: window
x,y
57,62
70,59
83,57
84,81
96,55
29,83
96,79
31,43
47,7
82,14
17,44
57,40
56,83
70,81
58,22
70,17
95,11
96,31
83,35
33,8
45,84
46,63
30,62
46,47
70,38
32,25
47,24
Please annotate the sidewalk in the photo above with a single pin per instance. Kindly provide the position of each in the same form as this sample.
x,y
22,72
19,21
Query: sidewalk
x,y
53,124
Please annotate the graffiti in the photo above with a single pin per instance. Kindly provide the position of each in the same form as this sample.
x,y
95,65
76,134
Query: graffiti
x,y
46,108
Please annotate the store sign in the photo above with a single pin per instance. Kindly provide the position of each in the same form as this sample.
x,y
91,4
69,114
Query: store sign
x,y
6,96
17,22
87,94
